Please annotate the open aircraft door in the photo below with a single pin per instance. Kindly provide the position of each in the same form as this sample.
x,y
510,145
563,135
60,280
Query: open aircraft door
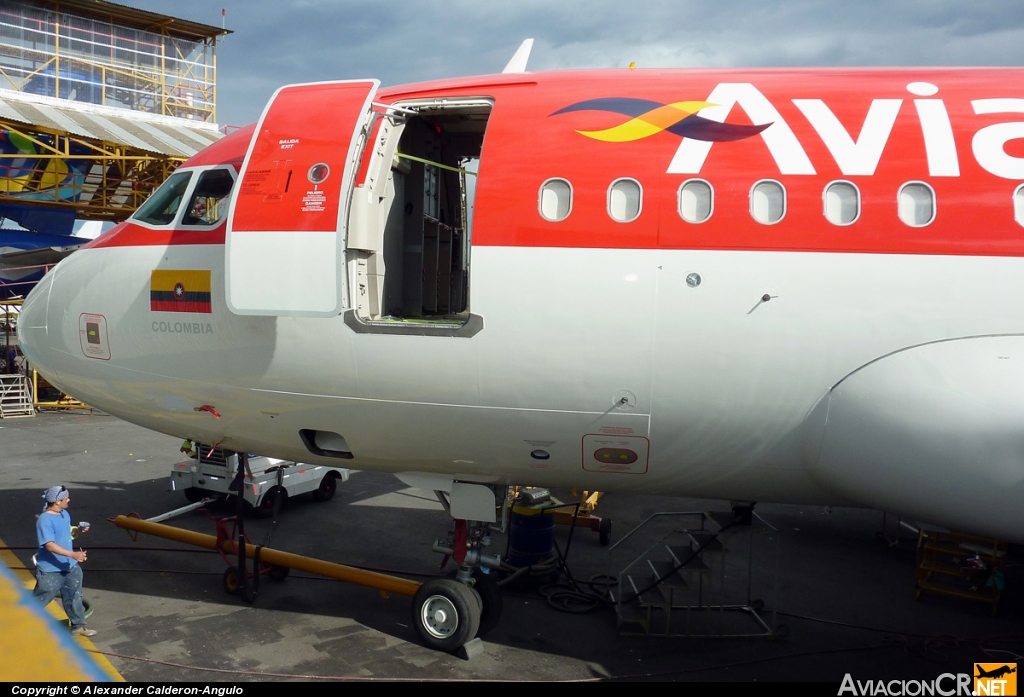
x,y
286,224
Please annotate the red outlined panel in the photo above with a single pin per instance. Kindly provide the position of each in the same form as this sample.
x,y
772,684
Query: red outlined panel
x,y
92,334
615,454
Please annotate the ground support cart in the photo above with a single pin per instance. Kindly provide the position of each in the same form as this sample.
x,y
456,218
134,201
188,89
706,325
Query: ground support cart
x,y
211,472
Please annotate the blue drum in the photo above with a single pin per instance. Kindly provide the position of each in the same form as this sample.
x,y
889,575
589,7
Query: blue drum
x,y
531,536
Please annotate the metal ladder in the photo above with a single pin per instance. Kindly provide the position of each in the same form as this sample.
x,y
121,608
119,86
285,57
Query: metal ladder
x,y
696,580
15,397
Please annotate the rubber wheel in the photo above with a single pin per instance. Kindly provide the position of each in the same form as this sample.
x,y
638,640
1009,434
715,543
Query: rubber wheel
x,y
232,580
604,533
486,586
194,495
266,507
279,573
445,614
328,485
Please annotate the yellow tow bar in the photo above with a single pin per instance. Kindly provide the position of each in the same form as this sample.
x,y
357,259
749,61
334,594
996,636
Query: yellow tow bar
x,y
340,572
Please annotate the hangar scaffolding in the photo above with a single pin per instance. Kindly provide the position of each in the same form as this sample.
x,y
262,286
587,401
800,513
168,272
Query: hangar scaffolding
x,y
99,102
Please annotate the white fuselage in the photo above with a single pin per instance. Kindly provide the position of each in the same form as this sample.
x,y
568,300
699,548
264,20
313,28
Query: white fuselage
x,y
868,379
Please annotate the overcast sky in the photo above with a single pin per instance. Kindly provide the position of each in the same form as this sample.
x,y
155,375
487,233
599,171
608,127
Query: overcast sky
x,y
278,42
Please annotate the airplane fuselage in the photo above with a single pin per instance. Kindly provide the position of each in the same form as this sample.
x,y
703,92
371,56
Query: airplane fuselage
x,y
822,308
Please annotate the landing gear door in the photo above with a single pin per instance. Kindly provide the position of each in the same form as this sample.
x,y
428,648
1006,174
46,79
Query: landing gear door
x,y
286,224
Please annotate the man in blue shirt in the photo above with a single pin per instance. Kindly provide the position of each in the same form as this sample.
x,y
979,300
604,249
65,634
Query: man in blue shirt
x,y
57,564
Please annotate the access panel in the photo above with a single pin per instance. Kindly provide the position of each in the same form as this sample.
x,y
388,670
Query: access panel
x,y
286,226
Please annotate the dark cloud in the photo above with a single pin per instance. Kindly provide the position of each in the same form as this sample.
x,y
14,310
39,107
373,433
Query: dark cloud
x,y
278,42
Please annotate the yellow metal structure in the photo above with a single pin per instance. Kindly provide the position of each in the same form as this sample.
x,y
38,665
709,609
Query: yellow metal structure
x,y
382,582
65,401
109,54
119,178
960,565
567,515
96,58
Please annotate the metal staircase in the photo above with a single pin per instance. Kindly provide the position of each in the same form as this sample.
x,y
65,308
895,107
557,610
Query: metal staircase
x,y
15,397
700,578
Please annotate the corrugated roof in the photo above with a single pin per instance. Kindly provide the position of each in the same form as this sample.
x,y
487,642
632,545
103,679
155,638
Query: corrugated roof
x,y
138,130
135,18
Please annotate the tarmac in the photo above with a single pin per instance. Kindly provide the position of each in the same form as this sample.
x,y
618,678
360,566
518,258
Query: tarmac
x,y
844,589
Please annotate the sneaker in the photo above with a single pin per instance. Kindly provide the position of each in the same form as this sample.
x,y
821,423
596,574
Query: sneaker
x,y
83,631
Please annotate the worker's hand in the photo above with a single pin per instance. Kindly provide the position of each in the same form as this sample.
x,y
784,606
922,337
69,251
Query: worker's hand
x,y
79,556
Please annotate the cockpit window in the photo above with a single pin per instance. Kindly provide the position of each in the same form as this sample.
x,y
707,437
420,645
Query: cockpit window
x,y
162,206
210,198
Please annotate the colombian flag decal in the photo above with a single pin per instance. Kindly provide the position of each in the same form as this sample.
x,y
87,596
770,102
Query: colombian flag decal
x,y
179,291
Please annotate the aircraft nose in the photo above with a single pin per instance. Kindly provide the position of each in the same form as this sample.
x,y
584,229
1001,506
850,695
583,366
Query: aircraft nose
x,y
32,332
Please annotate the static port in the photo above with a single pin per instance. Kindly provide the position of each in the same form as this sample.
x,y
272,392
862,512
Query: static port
x,y
540,455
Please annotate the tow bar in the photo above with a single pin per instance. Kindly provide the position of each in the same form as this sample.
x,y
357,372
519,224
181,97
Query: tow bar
x,y
340,572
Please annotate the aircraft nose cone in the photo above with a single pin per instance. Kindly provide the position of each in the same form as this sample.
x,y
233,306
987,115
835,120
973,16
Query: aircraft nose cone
x,y
32,332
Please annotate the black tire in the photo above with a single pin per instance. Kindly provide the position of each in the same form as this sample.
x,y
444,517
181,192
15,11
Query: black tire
x,y
278,573
445,614
194,495
266,507
328,486
232,580
604,532
486,585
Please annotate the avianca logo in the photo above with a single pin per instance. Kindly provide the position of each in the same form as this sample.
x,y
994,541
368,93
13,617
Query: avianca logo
x,y
648,118
702,124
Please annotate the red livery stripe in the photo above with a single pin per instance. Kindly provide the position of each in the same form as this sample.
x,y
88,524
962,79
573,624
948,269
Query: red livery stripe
x,y
179,306
974,206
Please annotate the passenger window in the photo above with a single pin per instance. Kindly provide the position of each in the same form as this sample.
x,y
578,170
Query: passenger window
x,y
625,200
842,203
696,201
555,200
768,202
1018,205
162,206
210,198
917,204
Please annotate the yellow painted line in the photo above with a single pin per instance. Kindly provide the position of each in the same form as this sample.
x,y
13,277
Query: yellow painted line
x,y
33,647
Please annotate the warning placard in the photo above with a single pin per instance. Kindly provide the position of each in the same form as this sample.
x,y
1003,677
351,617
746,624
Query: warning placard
x,y
314,201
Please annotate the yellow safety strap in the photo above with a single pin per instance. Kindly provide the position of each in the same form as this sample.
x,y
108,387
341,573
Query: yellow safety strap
x,y
435,164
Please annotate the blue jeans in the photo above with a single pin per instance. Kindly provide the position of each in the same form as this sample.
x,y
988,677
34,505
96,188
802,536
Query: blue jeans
x,y
69,585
